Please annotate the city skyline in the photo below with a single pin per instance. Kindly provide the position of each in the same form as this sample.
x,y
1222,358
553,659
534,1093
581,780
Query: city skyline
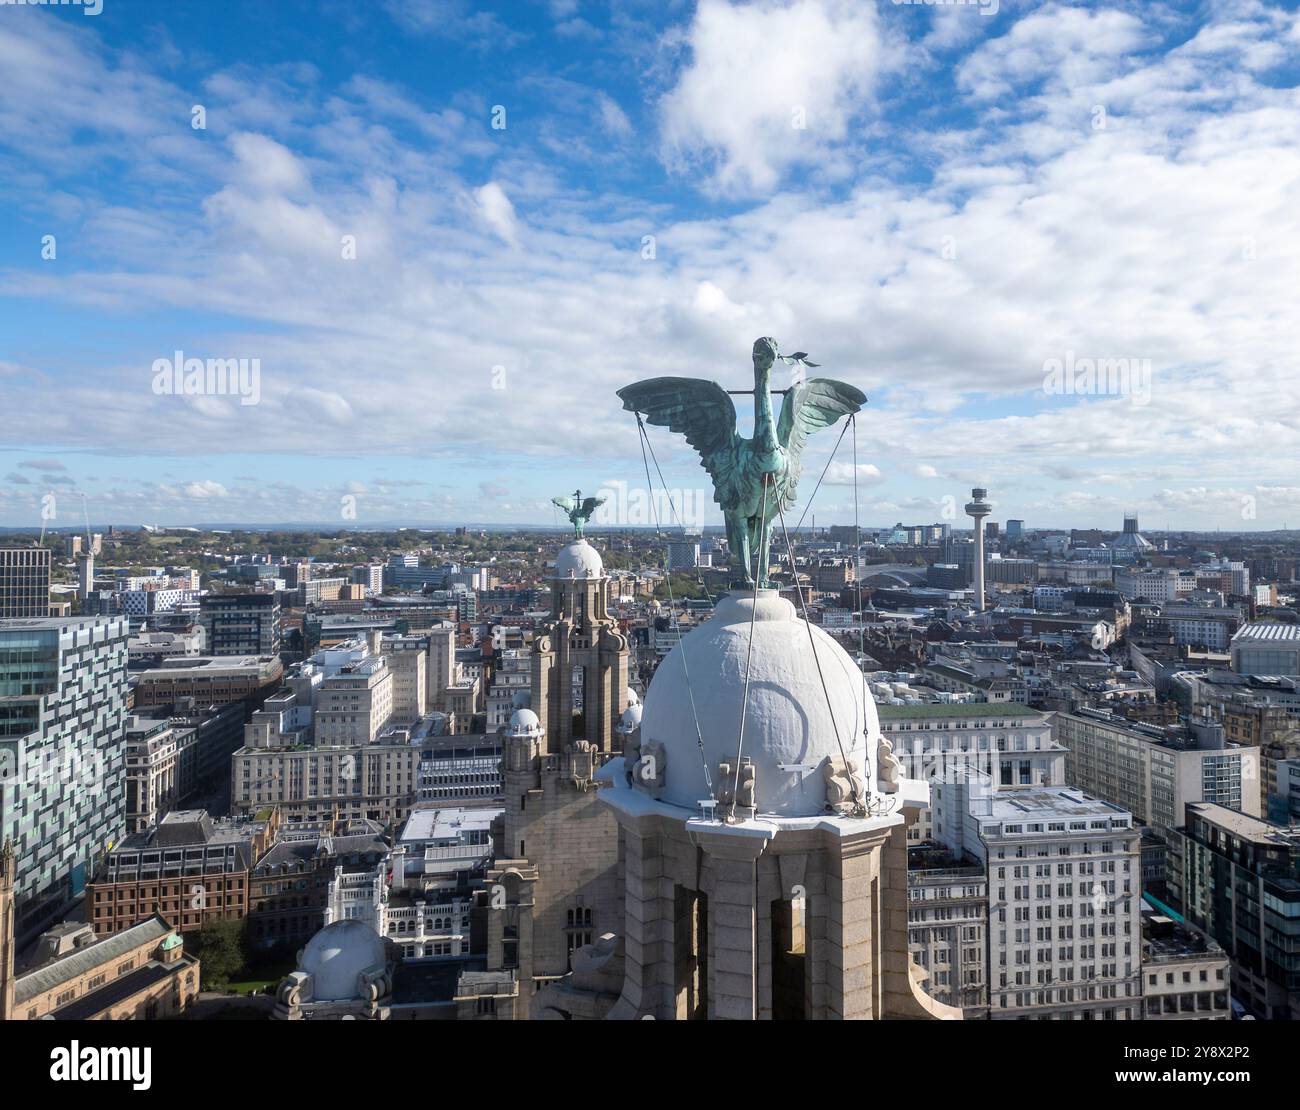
x,y
447,234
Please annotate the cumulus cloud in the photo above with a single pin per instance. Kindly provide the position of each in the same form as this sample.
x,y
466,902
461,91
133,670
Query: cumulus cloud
x,y
940,280
841,474
768,85
1054,44
263,164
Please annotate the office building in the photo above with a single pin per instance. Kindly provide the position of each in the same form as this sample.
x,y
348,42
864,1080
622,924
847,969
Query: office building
x,y
189,868
461,770
1063,873
1154,772
208,680
240,623
1236,878
63,692
355,703
161,769
947,924
24,582
370,576
1010,743
358,781
289,887
1267,648
684,554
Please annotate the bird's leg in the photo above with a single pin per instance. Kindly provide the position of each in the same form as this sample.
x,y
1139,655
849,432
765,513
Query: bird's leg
x,y
764,551
738,545
755,537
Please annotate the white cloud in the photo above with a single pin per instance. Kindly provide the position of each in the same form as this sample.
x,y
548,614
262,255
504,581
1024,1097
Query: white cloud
x,y
841,474
1166,237
768,85
205,489
1060,45
495,210
266,165
612,117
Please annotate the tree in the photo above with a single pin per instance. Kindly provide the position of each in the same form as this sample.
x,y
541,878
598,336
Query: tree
x,y
219,947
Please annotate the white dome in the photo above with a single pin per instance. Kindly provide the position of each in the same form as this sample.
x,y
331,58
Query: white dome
x,y
788,724
578,560
632,697
524,722
337,955
631,718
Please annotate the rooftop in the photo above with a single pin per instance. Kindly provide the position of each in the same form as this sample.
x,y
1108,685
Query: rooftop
x,y
65,968
1244,826
449,822
119,990
977,709
178,665
1268,631
1164,939
1015,803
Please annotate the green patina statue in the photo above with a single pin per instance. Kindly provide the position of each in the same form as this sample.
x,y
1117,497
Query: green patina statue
x,y
753,479
578,509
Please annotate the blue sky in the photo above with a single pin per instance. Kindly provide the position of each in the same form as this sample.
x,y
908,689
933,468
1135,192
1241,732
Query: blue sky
x,y
938,202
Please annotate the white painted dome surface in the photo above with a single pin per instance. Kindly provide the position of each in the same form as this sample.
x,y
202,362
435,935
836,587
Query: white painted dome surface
x,y
339,953
578,560
631,718
524,722
788,722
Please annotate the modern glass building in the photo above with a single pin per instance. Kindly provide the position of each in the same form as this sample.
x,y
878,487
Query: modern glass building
x,y
1237,879
63,692
24,582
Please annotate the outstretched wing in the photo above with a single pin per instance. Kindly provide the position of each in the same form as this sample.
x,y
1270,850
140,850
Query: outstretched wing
x,y
702,412
568,504
814,404
590,505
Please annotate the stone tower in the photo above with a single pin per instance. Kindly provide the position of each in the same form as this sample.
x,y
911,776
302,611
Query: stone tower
x,y
764,851
580,641
554,884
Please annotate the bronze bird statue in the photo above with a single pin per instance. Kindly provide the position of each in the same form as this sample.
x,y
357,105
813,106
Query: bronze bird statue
x,y
753,478
578,509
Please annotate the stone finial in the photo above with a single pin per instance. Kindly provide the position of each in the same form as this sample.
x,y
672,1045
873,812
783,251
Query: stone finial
x,y
845,787
738,791
889,771
649,769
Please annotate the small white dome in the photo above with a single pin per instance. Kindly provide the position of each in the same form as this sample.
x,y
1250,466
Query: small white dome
x,y
524,722
337,955
631,718
789,729
633,698
578,560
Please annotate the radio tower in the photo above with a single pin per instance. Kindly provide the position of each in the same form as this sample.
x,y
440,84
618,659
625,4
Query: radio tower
x,y
977,508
